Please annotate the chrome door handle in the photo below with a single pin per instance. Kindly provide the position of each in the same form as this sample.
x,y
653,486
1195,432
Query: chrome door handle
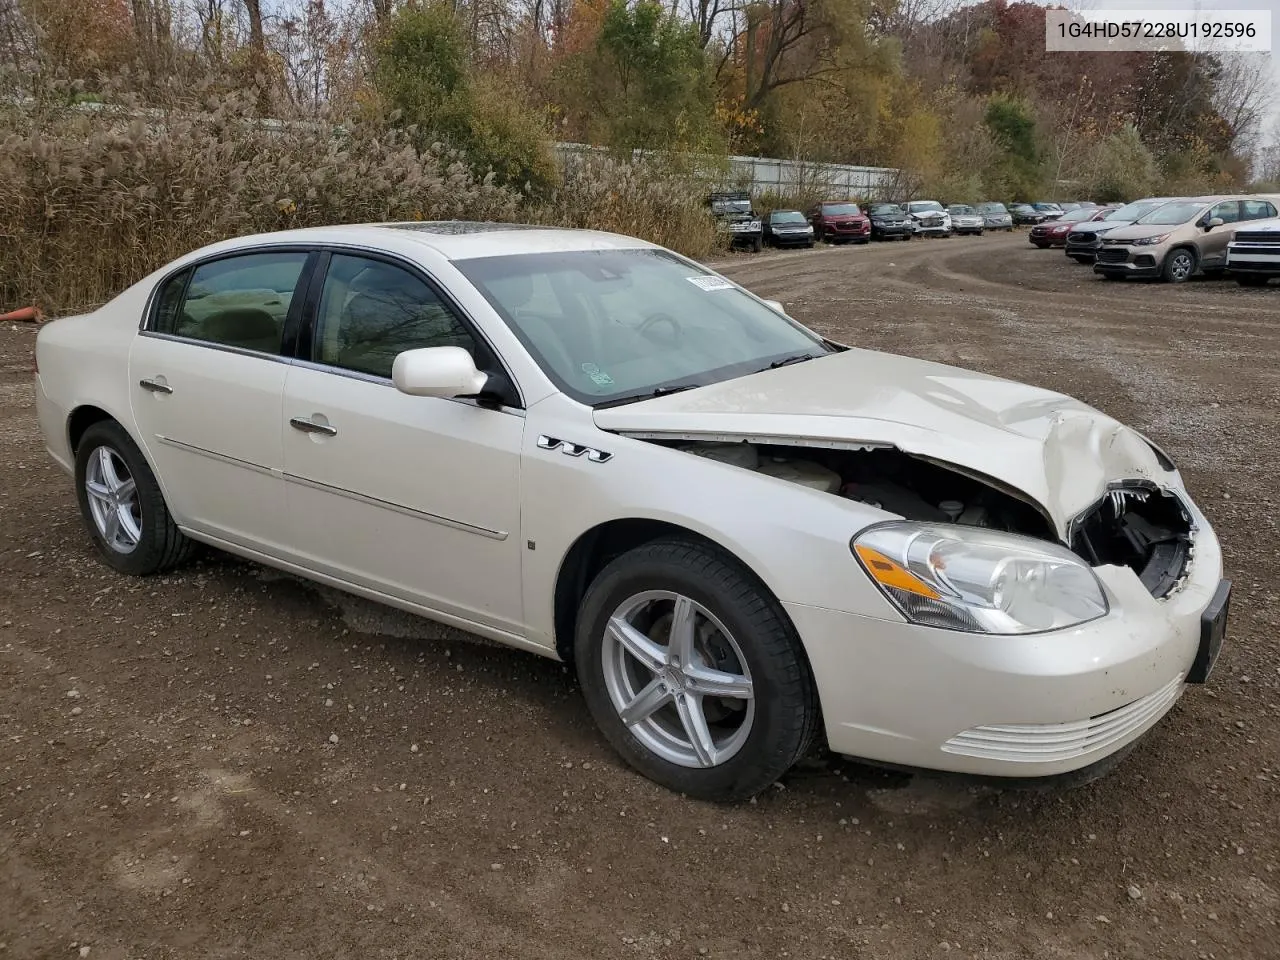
x,y
155,386
310,426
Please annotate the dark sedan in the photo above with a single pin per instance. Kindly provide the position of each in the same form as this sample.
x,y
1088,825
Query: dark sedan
x,y
1025,213
889,222
788,228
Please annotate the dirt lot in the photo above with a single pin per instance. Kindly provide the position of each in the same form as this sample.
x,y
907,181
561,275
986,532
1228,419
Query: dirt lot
x,y
169,785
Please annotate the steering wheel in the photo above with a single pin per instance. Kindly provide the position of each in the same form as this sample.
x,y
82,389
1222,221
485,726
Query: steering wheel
x,y
655,319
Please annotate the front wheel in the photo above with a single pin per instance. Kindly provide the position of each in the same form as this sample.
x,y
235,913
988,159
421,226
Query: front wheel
x,y
1179,265
122,505
757,245
693,672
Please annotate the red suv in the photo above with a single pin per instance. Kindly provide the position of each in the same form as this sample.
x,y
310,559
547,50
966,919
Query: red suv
x,y
839,221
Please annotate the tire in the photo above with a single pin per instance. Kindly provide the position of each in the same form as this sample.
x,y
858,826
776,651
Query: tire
x,y
809,245
1078,258
740,626
145,538
1251,280
1179,265
757,245
1041,246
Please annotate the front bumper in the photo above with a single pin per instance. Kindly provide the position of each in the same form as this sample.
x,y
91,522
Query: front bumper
x,y
1138,262
1267,264
891,230
1029,706
796,239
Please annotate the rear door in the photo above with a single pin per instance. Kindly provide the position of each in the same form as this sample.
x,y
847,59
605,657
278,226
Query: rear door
x,y
207,379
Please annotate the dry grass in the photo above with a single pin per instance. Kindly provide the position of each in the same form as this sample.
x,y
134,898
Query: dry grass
x,y
93,201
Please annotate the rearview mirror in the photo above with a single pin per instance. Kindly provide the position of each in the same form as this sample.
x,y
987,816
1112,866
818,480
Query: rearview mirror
x,y
444,372
1215,222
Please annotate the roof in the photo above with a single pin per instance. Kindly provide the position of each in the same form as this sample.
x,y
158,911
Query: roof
x,y
452,239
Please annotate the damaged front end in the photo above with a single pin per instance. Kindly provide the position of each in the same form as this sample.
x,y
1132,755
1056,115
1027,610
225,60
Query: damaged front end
x,y
1136,524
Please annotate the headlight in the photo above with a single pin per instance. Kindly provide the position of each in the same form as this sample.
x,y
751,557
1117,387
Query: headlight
x,y
809,228
1150,241
978,580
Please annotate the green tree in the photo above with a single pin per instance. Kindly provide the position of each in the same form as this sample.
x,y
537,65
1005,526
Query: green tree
x,y
424,74
650,83
1012,122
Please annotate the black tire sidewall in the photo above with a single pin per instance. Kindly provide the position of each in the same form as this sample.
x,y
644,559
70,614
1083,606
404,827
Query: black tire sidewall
x,y
1167,269
150,553
785,711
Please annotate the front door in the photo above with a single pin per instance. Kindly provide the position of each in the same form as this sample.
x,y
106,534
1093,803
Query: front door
x,y
206,379
415,497
1213,245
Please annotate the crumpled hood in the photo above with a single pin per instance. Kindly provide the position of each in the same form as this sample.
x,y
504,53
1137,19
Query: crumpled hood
x,y
1055,451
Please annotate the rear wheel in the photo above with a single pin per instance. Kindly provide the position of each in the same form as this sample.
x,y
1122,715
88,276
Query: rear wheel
x,y
1179,265
693,671
122,505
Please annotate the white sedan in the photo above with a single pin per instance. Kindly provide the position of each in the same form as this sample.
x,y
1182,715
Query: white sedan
x,y
743,535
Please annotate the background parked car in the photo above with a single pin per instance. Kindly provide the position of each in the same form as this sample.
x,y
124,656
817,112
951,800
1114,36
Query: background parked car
x,y
735,217
1253,256
889,222
1084,238
965,219
1051,211
995,216
1053,233
1025,213
1180,239
929,218
840,222
788,228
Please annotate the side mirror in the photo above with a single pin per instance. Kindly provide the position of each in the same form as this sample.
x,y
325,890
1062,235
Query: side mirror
x,y
437,372
777,306
1215,222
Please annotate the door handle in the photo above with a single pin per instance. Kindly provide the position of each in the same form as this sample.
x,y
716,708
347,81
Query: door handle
x,y
155,386
310,426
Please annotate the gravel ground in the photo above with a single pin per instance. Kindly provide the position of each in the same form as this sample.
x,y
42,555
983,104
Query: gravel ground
x,y
226,762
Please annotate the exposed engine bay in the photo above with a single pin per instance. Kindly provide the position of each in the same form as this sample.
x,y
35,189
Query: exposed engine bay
x,y
1140,527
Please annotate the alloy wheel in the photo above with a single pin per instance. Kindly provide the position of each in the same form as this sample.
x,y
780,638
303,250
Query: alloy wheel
x,y
678,679
113,500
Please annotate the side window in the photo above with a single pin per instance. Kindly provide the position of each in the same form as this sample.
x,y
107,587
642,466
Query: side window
x,y
168,305
1228,210
372,311
238,301
1258,210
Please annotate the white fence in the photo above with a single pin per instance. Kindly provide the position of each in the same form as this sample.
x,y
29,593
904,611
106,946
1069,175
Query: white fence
x,y
832,181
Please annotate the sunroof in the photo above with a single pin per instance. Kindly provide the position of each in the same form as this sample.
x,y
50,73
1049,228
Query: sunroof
x,y
462,226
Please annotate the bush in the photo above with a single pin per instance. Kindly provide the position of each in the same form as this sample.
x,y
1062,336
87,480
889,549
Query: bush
x,y
642,198
95,200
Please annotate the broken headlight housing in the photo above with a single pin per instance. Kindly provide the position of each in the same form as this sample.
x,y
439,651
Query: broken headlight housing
x,y
979,580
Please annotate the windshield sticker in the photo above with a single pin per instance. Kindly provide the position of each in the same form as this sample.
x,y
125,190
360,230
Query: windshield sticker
x,y
598,376
710,283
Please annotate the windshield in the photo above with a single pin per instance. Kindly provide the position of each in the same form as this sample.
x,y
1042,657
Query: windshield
x,y
731,206
924,206
1173,213
1133,211
840,209
609,324
992,208
787,216
961,209
885,210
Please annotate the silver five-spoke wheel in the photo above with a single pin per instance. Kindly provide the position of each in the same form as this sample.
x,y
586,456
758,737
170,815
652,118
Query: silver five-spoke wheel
x,y
113,500
678,679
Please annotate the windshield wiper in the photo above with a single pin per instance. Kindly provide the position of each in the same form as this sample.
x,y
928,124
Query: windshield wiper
x,y
786,361
659,392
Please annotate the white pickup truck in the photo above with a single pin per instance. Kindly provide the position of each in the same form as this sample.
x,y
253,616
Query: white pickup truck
x,y
1253,255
